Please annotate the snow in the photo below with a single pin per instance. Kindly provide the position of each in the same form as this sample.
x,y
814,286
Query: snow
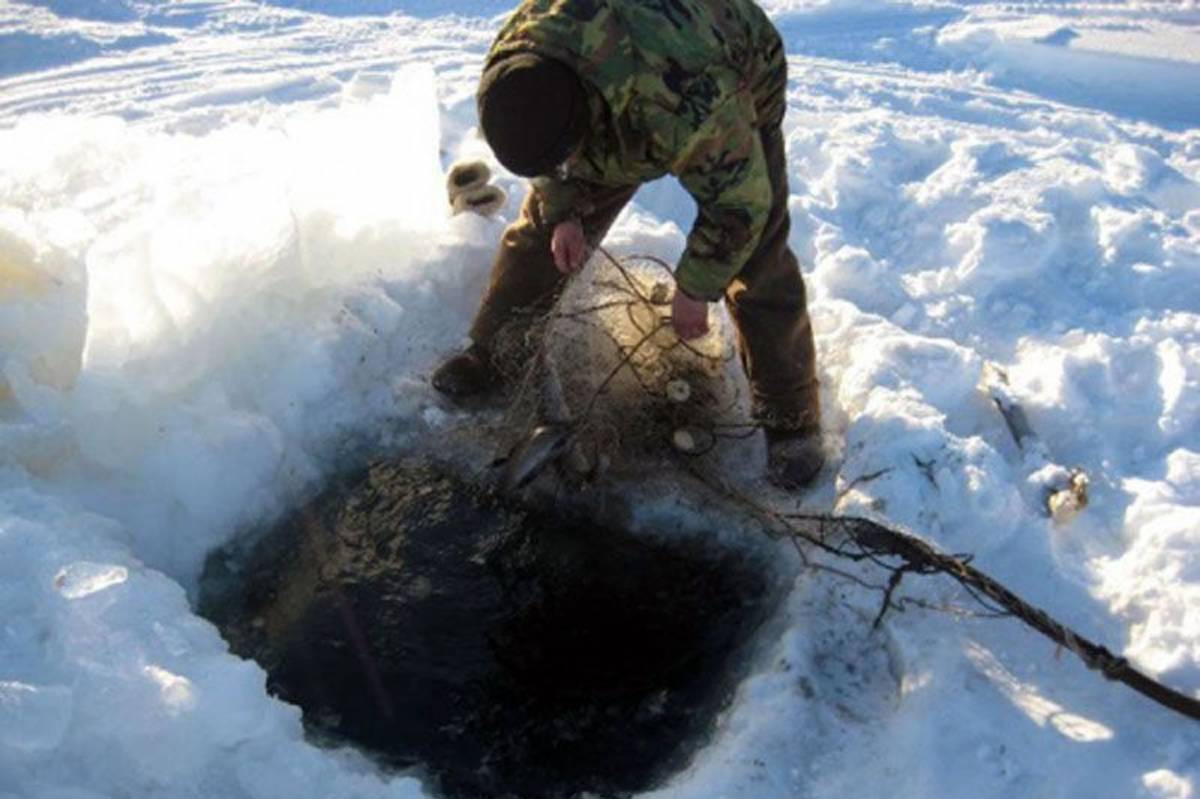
x,y
35,717
1075,60
226,266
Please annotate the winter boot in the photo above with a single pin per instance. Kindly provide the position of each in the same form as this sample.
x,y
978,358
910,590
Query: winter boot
x,y
794,458
469,373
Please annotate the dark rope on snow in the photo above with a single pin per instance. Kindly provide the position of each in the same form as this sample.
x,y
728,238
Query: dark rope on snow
x,y
876,542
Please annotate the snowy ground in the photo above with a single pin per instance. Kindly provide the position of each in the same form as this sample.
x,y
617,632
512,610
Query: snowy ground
x,y
224,265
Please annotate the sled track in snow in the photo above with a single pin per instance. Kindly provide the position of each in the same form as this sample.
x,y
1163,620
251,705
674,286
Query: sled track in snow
x,y
830,87
274,58
271,60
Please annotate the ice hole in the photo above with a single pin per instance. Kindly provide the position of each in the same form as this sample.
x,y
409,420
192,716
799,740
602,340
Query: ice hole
x,y
496,649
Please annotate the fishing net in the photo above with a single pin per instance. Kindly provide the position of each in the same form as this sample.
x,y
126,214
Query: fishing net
x,y
606,362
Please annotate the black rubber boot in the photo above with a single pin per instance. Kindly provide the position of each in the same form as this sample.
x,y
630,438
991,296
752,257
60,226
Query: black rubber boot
x,y
469,373
794,458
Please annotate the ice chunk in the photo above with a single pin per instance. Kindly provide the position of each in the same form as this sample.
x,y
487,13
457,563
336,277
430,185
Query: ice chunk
x,y
1129,236
850,273
233,709
82,578
1165,784
1183,473
42,319
1000,244
176,691
33,718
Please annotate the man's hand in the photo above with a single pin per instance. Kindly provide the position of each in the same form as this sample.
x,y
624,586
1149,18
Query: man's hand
x,y
569,246
689,317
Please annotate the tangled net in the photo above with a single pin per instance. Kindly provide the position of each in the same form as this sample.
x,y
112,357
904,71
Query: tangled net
x,y
606,361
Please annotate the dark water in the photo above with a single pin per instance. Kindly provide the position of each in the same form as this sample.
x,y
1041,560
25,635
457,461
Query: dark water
x,y
502,650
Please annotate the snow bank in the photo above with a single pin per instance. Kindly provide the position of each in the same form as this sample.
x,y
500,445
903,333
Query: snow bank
x,y
1155,580
938,246
948,228
239,280
191,330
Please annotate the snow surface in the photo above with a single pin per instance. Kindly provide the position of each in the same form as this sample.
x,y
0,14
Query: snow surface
x,y
225,267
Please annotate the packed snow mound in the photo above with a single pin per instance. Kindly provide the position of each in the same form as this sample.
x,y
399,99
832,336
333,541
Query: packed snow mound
x,y
195,295
191,330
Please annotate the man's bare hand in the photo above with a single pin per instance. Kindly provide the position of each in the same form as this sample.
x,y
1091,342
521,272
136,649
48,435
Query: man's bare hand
x,y
689,317
569,246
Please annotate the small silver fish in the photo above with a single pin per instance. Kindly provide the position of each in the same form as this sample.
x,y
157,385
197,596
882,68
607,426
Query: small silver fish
x,y
544,445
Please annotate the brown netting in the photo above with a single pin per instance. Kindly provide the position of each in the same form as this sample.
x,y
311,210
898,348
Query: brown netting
x,y
605,361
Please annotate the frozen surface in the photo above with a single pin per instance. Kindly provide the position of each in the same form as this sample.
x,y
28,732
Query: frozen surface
x,y
225,267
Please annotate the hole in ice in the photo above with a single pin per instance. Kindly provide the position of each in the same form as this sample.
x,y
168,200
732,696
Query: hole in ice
x,y
499,650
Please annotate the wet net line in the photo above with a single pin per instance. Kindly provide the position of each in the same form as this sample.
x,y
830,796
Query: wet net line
x,y
899,554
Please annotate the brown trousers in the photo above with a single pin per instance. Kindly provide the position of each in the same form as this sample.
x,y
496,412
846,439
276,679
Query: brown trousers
x,y
766,300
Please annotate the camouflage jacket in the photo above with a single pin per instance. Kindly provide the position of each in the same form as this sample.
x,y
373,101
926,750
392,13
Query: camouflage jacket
x,y
676,86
